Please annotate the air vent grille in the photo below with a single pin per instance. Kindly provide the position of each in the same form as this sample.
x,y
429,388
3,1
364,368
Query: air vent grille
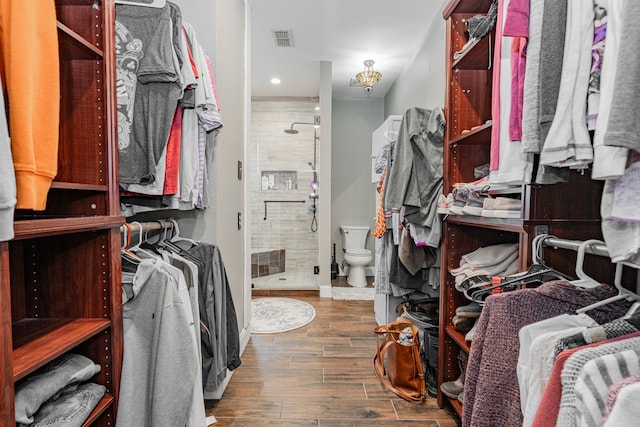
x,y
283,38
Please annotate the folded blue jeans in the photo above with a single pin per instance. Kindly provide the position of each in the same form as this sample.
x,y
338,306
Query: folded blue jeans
x,y
49,380
71,408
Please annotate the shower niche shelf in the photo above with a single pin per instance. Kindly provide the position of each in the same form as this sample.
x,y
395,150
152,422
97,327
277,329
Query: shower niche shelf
x,y
279,180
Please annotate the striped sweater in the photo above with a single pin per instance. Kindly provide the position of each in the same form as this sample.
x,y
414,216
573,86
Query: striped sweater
x,y
576,410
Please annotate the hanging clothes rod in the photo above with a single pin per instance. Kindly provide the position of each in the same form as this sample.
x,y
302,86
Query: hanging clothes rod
x,y
593,249
162,224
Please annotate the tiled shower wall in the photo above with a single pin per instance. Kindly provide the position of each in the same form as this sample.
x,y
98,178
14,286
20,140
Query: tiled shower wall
x,y
286,158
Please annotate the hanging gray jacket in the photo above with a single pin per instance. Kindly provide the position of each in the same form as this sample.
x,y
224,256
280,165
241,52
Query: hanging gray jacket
x,y
415,178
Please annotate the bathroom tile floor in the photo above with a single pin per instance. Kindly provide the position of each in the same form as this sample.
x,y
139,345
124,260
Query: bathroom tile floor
x,y
293,280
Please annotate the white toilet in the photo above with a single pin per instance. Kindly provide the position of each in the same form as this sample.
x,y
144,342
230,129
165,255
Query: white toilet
x,y
354,238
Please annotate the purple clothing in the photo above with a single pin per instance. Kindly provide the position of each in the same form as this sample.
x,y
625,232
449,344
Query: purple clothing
x,y
597,56
491,390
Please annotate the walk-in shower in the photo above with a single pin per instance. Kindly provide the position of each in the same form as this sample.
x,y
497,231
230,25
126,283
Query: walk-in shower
x,y
283,171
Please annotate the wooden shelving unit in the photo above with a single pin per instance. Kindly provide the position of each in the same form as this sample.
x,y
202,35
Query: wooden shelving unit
x,y
60,276
568,210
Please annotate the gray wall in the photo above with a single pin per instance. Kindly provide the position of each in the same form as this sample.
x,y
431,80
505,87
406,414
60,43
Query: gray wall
x,y
422,82
353,194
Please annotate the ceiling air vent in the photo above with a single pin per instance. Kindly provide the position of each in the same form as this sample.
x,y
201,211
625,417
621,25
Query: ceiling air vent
x,y
283,38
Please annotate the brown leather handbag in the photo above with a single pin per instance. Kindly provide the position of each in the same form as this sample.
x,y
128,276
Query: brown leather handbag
x,y
397,363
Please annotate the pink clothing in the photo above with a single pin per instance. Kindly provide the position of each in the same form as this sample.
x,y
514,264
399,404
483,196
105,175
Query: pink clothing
x,y
518,66
516,25
494,163
517,21
172,169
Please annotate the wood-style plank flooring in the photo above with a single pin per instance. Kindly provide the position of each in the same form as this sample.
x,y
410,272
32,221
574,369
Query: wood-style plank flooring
x,y
319,375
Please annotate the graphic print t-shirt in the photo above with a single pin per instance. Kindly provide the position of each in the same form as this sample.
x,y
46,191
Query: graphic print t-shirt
x,y
148,89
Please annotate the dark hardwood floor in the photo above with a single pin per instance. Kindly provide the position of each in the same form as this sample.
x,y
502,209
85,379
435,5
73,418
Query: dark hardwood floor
x,y
319,375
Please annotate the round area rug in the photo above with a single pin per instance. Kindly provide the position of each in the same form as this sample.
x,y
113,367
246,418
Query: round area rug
x,y
275,315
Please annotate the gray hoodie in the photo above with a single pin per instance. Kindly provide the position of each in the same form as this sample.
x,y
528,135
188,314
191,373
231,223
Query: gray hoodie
x,y
159,364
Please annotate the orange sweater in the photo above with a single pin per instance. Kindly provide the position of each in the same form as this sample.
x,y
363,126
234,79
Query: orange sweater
x,y
31,72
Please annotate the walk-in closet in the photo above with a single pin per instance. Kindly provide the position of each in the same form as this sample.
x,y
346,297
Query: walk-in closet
x,y
164,203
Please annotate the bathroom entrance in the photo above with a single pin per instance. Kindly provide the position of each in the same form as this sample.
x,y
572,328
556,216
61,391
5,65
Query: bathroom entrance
x,y
283,176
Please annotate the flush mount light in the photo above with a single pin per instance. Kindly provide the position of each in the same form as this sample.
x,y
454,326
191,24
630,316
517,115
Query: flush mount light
x,y
369,77
275,81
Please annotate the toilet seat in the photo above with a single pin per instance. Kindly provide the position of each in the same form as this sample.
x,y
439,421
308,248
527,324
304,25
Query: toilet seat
x,y
358,252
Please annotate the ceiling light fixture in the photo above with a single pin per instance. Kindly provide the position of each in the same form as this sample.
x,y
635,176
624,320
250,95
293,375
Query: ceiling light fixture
x,y
275,81
369,77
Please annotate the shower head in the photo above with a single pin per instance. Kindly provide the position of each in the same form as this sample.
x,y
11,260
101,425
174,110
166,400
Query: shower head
x,y
292,131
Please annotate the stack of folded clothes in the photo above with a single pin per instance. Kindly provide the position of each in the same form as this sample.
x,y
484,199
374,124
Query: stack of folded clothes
x,y
495,260
58,391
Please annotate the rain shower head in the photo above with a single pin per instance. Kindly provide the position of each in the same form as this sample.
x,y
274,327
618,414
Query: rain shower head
x,y
292,131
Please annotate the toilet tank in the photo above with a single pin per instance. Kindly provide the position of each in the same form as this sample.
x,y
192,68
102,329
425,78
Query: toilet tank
x,y
354,236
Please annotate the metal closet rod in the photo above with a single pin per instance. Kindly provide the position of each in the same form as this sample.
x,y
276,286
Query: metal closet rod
x,y
594,248
148,225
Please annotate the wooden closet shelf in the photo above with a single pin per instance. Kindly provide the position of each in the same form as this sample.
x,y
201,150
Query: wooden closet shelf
x,y
458,337
78,186
105,402
456,405
38,341
476,57
501,224
479,135
32,228
74,46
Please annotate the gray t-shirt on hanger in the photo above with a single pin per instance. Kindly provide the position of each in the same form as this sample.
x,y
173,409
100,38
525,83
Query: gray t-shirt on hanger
x,y
148,89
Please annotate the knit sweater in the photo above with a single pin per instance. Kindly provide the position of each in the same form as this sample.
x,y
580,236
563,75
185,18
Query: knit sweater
x,y
593,385
492,394
573,369
616,328
547,413
614,391
626,411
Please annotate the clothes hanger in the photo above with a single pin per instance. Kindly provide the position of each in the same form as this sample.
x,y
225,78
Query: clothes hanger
x,y
168,243
391,135
176,236
584,281
537,274
126,254
155,4
622,294
137,248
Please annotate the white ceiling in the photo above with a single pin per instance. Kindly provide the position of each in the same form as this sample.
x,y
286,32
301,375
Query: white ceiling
x,y
344,32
